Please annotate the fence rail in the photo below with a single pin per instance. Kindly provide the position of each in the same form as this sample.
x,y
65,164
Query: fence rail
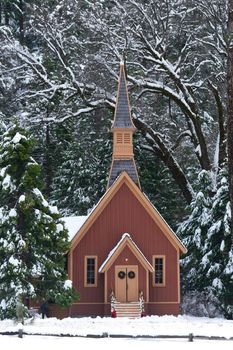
x,y
190,337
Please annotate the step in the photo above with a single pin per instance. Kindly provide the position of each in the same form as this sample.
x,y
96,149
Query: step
x,y
131,310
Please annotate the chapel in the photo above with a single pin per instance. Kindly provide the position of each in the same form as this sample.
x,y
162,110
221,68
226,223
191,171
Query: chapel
x,y
124,257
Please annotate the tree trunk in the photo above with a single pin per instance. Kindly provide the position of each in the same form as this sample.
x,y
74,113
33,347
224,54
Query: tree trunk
x,y
0,12
7,10
230,106
21,21
160,150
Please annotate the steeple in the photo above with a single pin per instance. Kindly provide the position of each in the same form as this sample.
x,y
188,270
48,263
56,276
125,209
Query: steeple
x,y
123,130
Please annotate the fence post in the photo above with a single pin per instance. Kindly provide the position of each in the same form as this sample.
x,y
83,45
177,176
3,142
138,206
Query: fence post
x,y
190,337
20,333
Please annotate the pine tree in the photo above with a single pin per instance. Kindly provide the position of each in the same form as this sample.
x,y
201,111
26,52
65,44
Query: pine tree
x,y
194,232
81,179
33,240
207,269
217,261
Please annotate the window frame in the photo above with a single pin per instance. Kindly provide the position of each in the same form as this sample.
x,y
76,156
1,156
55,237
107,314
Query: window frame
x,y
95,270
163,284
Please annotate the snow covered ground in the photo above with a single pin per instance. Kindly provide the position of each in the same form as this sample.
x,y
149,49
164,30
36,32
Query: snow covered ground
x,y
146,326
61,343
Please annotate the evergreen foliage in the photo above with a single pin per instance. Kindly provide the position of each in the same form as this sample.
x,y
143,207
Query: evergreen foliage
x,y
81,179
207,268
58,69
33,239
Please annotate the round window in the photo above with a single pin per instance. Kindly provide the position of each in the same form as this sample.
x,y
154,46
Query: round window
x,y
121,274
131,274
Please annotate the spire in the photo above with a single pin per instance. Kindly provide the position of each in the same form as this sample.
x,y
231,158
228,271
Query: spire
x,y
123,130
122,118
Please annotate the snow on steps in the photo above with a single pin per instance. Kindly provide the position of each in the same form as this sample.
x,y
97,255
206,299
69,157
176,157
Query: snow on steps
x,y
131,310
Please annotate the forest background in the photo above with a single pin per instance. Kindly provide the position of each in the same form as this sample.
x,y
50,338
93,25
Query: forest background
x,y
59,67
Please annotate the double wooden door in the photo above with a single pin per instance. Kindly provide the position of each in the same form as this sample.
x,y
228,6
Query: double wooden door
x,y
126,283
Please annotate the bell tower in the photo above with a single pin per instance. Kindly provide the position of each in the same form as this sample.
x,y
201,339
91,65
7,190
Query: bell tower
x,y
123,130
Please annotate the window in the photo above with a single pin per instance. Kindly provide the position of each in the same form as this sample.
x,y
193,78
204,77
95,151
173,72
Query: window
x,y
90,271
159,274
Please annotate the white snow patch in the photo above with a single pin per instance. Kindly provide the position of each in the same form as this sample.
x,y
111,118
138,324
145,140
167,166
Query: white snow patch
x,y
59,228
22,198
73,224
18,137
217,283
3,304
14,261
222,246
12,213
6,181
38,193
3,172
53,209
198,150
68,284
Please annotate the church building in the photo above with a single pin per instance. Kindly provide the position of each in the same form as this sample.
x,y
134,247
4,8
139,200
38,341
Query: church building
x,y
124,257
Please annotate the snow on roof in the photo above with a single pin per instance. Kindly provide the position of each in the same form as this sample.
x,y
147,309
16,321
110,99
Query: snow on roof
x,y
124,236
73,224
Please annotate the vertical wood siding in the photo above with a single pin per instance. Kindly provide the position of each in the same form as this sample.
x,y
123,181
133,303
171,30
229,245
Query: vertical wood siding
x,y
125,214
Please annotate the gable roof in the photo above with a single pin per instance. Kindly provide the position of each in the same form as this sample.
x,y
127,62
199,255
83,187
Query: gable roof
x,y
122,118
124,178
125,240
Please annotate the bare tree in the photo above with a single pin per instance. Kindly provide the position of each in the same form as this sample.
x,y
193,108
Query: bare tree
x,y
175,57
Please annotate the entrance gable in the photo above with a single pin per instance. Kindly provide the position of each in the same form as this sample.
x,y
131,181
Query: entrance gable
x,y
125,241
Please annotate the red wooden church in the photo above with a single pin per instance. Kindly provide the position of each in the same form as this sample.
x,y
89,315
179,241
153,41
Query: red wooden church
x,y
125,255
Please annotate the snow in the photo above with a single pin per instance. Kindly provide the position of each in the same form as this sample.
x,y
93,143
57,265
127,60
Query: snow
x,y
222,246
68,284
73,224
3,171
37,342
12,213
53,209
22,198
146,326
3,304
217,283
6,182
198,150
13,261
18,137
113,250
38,193
59,228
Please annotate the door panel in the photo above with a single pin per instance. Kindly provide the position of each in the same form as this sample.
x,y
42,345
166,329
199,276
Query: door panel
x,y
120,283
132,280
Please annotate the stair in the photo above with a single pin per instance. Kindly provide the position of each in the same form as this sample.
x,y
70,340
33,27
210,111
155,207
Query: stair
x,y
131,310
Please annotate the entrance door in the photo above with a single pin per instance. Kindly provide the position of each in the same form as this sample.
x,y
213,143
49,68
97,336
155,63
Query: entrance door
x,y
126,282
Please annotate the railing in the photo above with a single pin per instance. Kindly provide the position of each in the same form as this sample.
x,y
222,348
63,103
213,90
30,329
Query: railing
x,y
113,300
141,302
